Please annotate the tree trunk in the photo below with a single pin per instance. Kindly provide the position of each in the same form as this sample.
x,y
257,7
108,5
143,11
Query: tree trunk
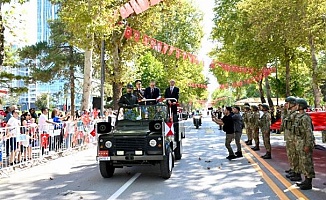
x,y
261,91
72,82
117,84
87,85
2,37
287,72
315,88
268,92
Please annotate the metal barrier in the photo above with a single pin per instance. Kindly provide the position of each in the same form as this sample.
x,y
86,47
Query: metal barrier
x,y
32,144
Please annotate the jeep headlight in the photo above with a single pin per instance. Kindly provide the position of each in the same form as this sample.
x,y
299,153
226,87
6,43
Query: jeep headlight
x,y
152,143
108,144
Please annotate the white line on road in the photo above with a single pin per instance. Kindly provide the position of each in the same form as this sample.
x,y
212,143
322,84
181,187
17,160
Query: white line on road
x,y
124,187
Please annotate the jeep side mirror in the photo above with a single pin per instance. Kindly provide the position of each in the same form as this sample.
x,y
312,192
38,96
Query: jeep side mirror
x,y
103,127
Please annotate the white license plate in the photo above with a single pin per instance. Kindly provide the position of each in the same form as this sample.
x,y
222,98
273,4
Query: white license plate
x,y
104,158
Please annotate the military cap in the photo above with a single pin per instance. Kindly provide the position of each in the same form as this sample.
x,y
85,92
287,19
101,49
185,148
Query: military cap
x,y
254,107
246,107
290,99
265,106
138,81
302,103
246,104
130,86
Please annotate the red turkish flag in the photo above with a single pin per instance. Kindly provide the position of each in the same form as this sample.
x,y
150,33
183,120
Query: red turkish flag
x,y
159,46
144,4
153,43
145,40
129,9
128,32
165,48
184,55
136,35
136,7
171,50
154,2
177,53
123,12
44,140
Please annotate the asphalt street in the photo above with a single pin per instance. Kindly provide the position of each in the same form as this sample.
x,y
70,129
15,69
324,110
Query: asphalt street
x,y
202,173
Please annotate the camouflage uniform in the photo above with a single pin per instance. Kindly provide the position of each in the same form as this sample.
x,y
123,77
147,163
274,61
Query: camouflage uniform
x,y
254,122
246,120
289,137
264,124
304,138
304,144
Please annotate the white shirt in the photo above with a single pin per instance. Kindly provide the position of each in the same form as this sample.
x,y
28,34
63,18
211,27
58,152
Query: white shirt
x,y
42,124
14,126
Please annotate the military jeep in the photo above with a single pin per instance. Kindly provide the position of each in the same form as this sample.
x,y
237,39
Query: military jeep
x,y
142,135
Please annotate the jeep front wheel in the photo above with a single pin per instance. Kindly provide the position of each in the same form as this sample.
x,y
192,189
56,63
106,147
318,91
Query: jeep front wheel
x,y
106,169
167,164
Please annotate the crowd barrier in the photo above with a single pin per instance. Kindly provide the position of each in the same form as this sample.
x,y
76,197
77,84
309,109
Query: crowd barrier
x,y
25,145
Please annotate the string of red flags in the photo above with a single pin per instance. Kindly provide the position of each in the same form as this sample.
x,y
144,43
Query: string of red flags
x,y
197,85
160,46
240,69
136,6
243,82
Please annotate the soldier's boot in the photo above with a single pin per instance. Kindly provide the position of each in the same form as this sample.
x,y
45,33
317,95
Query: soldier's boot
x,y
290,174
268,155
289,170
296,177
249,142
256,148
238,154
303,182
307,185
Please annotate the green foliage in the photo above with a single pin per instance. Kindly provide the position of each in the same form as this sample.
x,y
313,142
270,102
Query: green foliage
x,y
43,100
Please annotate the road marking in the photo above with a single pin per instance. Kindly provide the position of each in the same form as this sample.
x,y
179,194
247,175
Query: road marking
x,y
268,180
285,182
124,187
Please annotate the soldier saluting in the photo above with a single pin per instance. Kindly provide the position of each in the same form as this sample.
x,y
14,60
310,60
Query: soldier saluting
x,y
304,144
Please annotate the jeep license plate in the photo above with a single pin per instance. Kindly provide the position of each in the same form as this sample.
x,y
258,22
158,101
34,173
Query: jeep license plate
x,y
103,158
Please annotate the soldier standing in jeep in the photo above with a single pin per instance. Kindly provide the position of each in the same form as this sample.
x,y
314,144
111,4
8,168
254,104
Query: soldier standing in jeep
x,y
128,99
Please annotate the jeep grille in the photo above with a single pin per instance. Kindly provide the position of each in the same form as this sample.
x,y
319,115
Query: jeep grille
x,y
130,144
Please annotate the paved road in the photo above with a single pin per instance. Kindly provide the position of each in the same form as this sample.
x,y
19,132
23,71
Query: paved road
x,y
202,173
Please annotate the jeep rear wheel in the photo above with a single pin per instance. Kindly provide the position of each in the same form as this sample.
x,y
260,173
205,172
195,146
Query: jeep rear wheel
x,y
178,151
167,164
106,169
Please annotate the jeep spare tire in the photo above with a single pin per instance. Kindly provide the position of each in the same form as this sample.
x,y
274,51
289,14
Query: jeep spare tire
x,y
167,164
106,169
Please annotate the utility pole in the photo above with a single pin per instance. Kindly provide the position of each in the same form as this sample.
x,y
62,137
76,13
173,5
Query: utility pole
x,y
102,75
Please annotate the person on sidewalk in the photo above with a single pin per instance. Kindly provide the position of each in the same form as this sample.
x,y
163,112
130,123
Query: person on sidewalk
x,y
289,138
304,144
228,128
254,121
264,124
238,125
246,119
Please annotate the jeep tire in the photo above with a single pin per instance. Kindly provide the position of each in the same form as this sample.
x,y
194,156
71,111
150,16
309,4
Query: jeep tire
x,y
167,164
178,150
106,169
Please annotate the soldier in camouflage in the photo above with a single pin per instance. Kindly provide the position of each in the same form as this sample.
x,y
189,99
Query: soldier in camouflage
x,y
289,138
264,124
246,120
254,122
304,144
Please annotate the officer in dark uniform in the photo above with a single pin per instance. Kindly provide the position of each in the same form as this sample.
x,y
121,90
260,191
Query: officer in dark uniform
x,y
128,99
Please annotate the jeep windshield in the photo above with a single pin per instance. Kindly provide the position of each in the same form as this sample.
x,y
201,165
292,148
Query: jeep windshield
x,y
141,113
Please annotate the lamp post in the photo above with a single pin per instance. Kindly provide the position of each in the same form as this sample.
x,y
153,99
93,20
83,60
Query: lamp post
x,y
102,75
